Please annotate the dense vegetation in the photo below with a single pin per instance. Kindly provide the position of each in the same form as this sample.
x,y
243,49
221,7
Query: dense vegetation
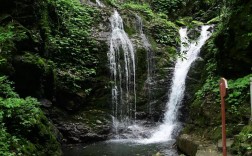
x,y
50,50
45,49
227,57
24,129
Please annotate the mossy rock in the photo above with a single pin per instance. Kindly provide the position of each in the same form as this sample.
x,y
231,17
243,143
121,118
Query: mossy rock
x,y
34,76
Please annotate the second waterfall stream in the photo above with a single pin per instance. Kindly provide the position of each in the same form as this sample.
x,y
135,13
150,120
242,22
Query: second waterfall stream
x,y
191,50
122,66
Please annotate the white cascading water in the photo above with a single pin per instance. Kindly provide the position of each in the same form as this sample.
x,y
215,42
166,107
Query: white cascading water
x,y
191,50
122,66
99,3
150,61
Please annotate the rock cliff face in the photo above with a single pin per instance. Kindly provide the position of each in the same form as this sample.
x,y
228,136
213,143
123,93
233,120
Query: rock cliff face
x,y
61,59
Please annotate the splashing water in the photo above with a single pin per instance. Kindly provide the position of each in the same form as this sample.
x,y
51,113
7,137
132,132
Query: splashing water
x,y
122,66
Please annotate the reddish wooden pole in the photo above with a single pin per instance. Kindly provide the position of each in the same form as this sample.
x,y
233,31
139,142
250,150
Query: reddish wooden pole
x,y
223,93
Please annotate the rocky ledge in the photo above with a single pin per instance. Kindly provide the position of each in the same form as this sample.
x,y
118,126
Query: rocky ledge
x,y
196,146
86,126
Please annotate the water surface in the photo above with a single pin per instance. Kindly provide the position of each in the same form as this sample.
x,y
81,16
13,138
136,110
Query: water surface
x,y
121,148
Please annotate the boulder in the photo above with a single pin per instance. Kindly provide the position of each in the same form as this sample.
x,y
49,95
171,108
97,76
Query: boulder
x,y
194,146
187,145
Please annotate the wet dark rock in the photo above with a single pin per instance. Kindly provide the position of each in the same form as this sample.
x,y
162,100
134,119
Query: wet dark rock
x,y
193,34
92,137
141,115
69,100
78,128
194,146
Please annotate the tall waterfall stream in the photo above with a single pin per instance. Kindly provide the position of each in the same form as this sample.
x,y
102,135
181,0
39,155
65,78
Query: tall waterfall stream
x,y
122,66
191,49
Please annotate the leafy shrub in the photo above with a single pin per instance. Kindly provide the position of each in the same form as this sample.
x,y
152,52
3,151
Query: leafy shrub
x,y
71,48
164,32
24,129
144,9
243,142
5,88
167,6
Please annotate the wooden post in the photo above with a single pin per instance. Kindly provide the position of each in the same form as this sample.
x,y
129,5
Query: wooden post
x,y
223,93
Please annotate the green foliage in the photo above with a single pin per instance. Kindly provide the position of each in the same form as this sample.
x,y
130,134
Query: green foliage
x,y
111,2
238,95
243,142
5,142
6,35
71,48
34,59
20,111
167,6
164,32
6,90
24,128
143,9
11,34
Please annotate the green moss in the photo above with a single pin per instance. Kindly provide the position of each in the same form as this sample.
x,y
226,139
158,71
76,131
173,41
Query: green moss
x,y
93,118
243,142
215,20
143,9
197,23
129,25
34,59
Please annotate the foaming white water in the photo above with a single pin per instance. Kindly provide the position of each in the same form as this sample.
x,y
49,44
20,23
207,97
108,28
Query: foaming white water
x,y
165,131
122,66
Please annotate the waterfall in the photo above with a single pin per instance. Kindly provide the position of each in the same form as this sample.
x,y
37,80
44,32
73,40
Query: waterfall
x,y
191,49
149,59
122,66
99,3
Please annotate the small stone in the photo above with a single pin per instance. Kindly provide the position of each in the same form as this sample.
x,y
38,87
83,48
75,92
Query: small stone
x,y
46,103
98,121
229,142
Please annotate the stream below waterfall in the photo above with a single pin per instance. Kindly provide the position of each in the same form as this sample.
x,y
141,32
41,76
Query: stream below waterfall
x,y
121,148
